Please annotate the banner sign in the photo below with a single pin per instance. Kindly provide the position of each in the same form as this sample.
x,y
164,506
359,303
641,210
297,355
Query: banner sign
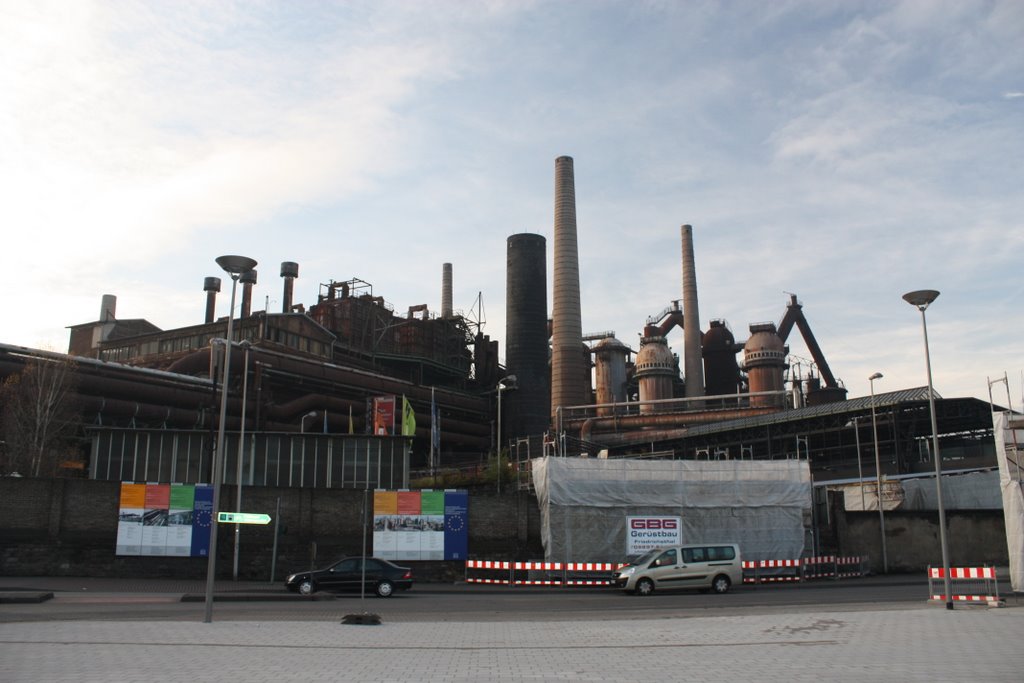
x,y
164,519
384,416
646,533
420,525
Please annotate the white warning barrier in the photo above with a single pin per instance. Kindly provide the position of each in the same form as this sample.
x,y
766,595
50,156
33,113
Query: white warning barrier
x,y
826,566
977,585
540,573
780,571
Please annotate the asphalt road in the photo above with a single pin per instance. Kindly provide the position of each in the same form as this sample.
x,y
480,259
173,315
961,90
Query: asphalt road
x,y
98,600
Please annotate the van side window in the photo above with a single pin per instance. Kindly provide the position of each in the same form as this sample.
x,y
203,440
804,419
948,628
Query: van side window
x,y
722,552
699,555
666,558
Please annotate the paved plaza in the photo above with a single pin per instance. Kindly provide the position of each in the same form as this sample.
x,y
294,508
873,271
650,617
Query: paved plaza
x,y
917,644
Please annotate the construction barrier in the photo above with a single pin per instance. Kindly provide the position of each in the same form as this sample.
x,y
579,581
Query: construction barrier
x,y
540,573
823,567
979,585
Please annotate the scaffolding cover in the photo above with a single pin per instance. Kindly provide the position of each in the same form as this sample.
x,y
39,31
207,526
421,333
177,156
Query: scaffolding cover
x,y
584,504
1008,441
973,491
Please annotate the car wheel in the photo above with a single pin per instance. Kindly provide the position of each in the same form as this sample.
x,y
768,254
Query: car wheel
x,y
644,587
721,584
307,587
385,589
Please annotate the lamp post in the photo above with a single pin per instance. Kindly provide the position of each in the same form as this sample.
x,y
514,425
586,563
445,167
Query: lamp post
x,y
878,473
502,387
241,451
921,299
302,425
235,266
860,473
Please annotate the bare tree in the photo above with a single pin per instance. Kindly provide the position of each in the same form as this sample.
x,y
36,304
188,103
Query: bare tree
x,y
38,417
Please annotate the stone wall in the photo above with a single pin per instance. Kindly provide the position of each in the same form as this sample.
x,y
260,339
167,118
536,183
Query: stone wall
x,y
975,538
54,527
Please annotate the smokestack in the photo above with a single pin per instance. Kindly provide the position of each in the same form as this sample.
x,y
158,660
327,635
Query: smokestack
x,y
693,363
567,371
248,279
289,271
108,308
211,286
528,409
446,290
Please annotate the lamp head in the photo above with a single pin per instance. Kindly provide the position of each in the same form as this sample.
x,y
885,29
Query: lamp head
x,y
921,298
875,376
236,264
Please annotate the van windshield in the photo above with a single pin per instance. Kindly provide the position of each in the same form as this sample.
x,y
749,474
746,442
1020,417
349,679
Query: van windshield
x,y
646,557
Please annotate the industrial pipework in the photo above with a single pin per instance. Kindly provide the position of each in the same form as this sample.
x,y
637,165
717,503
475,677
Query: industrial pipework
x,y
289,271
446,290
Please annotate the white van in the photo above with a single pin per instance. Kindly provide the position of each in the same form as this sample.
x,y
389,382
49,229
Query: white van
x,y
714,566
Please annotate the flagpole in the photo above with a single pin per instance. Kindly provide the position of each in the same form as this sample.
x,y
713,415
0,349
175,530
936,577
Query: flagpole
x,y
433,410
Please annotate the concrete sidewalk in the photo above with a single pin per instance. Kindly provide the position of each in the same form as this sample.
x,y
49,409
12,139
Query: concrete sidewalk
x,y
930,644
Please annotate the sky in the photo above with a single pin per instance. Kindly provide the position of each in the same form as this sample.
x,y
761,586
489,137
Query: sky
x,y
847,152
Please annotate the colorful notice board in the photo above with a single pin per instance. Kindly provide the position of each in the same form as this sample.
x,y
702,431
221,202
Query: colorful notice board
x,y
164,519
420,525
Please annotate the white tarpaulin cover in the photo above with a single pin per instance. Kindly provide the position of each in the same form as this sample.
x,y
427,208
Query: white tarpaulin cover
x,y
1010,481
973,491
584,504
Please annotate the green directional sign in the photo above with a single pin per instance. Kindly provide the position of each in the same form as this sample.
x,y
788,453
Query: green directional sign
x,y
242,518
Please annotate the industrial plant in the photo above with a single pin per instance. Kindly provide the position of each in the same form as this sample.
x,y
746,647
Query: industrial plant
x,y
316,368
348,392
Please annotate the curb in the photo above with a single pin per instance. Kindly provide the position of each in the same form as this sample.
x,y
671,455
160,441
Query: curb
x,y
256,597
25,597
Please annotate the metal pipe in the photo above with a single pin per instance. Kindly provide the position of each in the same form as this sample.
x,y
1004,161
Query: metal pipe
x,y
668,419
878,475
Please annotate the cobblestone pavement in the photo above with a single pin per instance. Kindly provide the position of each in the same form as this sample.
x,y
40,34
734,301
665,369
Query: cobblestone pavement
x,y
930,644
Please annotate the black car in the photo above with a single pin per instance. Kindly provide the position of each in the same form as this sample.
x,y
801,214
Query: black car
x,y
381,577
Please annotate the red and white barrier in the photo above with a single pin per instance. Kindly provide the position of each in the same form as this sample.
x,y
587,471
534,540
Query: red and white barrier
x,y
504,572
540,573
983,578
780,571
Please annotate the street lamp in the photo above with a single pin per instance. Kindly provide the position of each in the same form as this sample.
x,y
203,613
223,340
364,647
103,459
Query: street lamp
x,y
921,299
302,425
860,473
878,473
235,266
245,344
502,387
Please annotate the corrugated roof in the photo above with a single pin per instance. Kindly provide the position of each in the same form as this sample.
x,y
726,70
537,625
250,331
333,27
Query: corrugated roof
x,y
853,405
